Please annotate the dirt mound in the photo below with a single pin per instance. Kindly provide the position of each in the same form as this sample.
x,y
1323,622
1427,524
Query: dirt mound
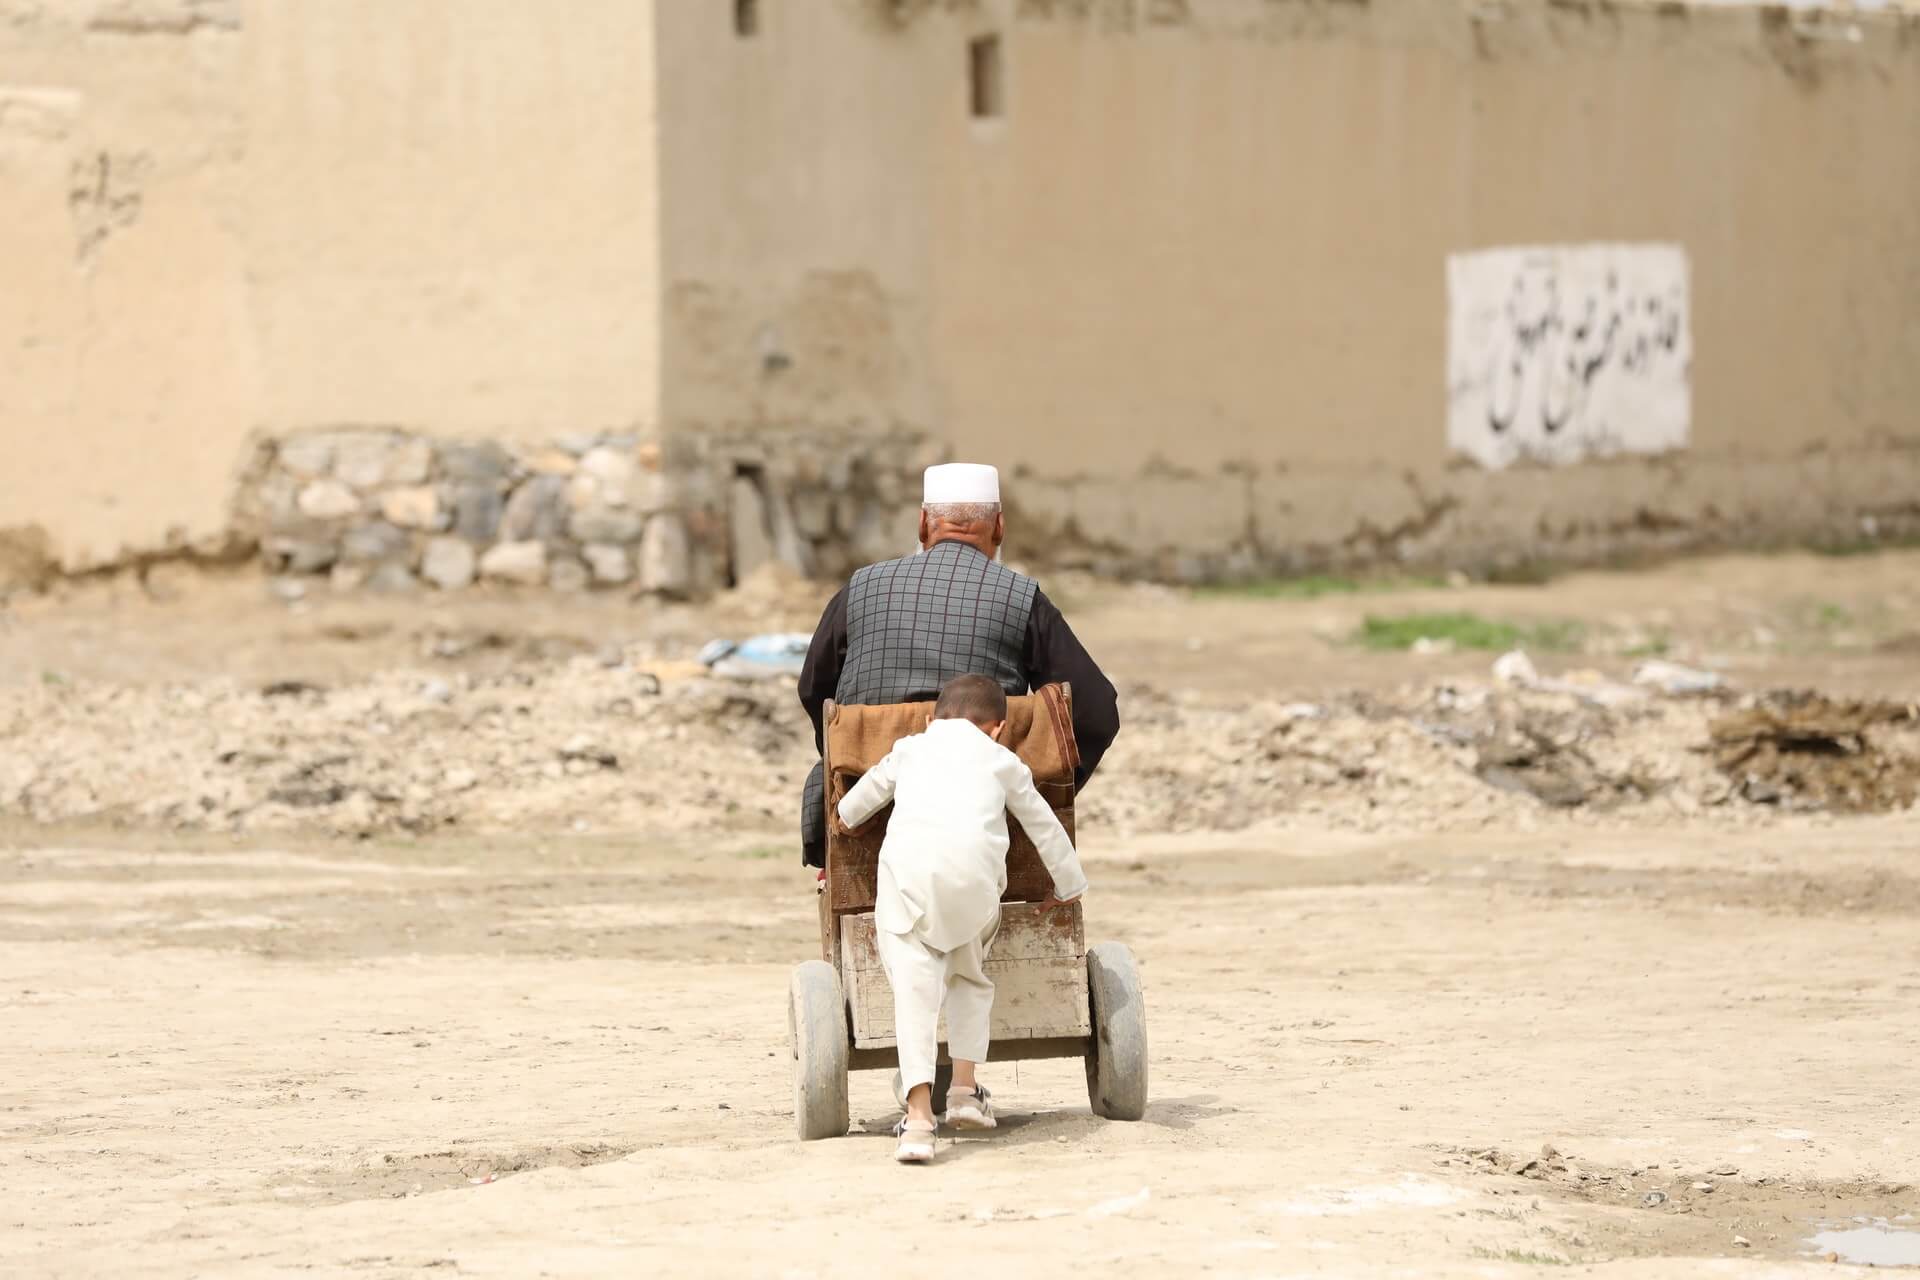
x,y
623,740
1804,751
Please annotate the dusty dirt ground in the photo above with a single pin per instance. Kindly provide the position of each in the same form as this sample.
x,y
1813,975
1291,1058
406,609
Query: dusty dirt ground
x,y
467,999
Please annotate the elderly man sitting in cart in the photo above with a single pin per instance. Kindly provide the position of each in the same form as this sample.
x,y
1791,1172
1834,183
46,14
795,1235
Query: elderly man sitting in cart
x,y
899,630
897,634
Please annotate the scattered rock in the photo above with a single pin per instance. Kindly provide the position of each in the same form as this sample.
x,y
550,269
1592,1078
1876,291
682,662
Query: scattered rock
x,y
1702,1186
291,688
813,513
611,468
308,457
567,574
519,562
363,459
651,492
449,563
328,500
485,463
553,462
537,510
666,556
610,565
476,512
1654,1199
411,462
374,542
300,555
582,749
606,524
461,779
392,579
1741,1242
415,508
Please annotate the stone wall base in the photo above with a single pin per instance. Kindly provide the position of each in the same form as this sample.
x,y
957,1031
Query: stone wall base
x,y
387,510
392,511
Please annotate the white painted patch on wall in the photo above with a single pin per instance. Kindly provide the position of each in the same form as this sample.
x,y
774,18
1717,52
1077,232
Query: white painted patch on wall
x,y
1557,353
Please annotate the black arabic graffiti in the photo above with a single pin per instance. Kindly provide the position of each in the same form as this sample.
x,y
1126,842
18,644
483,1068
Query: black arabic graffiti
x,y
1561,348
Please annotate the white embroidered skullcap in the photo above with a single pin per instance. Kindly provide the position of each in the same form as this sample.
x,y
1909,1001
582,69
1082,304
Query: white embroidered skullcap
x,y
961,484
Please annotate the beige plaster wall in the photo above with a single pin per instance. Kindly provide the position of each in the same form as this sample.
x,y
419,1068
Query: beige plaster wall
x,y
222,218
1193,285
453,214
125,350
795,231
1190,291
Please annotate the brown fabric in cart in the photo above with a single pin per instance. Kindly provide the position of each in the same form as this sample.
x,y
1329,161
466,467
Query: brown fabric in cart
x,y
1039,731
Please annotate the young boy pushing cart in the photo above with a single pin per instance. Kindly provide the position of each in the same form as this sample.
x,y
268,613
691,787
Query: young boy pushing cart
x,y
943,867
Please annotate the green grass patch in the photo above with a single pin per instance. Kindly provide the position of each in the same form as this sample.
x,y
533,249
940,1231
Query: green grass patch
x,y
1865,546
1313,586
1466,631
1525,1256
1657,645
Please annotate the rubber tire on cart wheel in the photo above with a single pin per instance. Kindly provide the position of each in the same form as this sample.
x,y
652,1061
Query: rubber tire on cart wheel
x,y
1117,1049
942,1081
817,1026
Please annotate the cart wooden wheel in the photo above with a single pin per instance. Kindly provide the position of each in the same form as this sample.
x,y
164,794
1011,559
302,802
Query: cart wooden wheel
x,y
1117,1049
942,1081
817,1025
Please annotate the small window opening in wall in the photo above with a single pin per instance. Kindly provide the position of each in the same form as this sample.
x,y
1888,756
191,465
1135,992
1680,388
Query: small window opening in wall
x,y
746,17
987,78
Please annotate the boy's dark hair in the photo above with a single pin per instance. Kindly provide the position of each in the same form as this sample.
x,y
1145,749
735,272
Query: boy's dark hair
x,y
976,698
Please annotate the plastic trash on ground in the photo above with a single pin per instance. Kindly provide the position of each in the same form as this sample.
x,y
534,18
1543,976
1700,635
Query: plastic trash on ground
x,y
1672,678
1517,669
764,657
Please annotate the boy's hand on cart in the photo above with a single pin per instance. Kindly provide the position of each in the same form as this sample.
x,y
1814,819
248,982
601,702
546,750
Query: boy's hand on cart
x,y
1050,902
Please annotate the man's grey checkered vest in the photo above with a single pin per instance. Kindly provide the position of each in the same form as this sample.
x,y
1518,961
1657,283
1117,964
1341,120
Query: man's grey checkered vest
x,y
915,623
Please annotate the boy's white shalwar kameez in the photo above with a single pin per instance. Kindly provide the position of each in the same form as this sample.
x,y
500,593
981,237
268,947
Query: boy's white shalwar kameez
x,y
943,867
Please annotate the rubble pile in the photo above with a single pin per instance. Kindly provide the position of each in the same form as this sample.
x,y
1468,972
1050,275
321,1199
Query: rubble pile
x,y
623,742
1803,751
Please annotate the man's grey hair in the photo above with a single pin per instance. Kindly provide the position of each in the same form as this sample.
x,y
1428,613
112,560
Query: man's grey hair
x,y
961,512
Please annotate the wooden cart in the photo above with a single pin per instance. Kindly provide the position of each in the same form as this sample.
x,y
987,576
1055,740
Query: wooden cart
x,y
1054,997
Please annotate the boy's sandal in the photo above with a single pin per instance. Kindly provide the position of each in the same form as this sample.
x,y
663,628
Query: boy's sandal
x,y
916,1144
970,1108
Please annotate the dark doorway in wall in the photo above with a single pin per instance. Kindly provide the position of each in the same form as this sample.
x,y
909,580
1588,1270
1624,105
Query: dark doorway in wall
x,y
746,18
986,78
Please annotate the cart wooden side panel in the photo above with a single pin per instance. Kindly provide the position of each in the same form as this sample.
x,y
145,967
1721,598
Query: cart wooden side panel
x,y
1038,964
